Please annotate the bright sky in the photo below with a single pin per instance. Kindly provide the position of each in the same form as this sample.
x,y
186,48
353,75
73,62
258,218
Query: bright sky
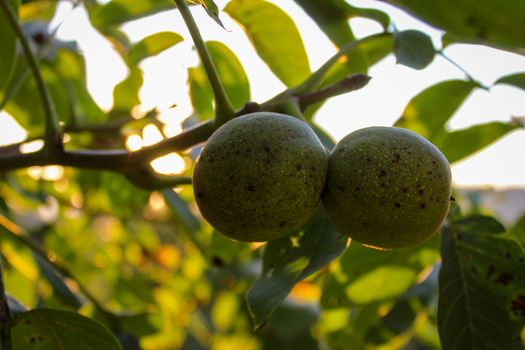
x,y
381,102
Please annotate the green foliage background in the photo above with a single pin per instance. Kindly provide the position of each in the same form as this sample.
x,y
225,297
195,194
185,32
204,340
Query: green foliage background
x,y
104,264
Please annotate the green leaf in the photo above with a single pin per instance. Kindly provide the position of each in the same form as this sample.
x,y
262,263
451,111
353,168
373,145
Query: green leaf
x,y
366,276
232,75
211,9
38,10
286,263
117,12
201,95
182,212
428,112
7,48
473,21
224,250
459,144
152,45
414,49
332,17
62,291
275,38
481,287
126,93
26,106
518,231
374,51
46,329
70,68
516,80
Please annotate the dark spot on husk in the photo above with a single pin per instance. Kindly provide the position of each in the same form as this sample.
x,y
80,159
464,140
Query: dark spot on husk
x,y
382,173
397,158
422,205
504,278
518,305
397,204
250,188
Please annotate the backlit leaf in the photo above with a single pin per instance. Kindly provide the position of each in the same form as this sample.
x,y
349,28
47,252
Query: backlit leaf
x,y
70,68
152,45
367,276
459,144
117,12
473,21
7,47
46,329
413,49
126,93
231,74
481,286
26,106
332,17
428,112
516,80
275,38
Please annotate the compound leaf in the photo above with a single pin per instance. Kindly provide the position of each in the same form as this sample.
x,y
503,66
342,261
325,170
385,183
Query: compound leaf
x,y
481,286
459,144
428,112
275,38
152,45
46,329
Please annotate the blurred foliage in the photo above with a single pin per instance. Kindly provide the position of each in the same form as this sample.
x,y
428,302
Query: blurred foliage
x,y
99,262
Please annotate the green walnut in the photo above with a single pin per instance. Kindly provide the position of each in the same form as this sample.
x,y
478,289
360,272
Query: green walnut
x,y
260,176
387,187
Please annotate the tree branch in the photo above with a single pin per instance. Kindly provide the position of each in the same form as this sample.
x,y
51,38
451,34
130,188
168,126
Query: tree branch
x,y
53,134
117,160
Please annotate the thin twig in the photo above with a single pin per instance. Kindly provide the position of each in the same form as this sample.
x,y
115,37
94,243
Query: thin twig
x,y
223,108
351,83
53,134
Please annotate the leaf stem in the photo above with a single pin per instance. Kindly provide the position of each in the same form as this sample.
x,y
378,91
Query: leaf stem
x,y
223,108
463,70
53,134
